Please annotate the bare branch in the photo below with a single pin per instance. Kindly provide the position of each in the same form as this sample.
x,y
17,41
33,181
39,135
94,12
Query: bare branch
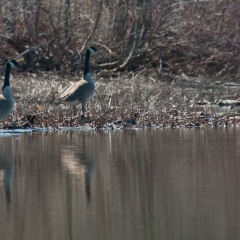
x,y
94,28
31,49
110,65
36,21
129,57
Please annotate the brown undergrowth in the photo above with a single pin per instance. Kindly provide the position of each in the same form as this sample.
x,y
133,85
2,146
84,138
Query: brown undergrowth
x,y
126,101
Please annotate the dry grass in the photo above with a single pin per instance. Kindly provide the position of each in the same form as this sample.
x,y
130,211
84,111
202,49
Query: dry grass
x,y
126,101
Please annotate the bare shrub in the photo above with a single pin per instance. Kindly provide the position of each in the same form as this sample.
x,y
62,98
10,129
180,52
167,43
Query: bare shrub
x,y
194,37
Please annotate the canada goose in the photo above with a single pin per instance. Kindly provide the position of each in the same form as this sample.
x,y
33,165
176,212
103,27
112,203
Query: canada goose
x,y
6,99
82,90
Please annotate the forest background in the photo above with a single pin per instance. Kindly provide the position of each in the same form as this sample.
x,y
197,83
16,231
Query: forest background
x,y
193,37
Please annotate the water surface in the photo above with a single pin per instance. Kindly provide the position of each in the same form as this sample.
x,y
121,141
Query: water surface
x,y
153,184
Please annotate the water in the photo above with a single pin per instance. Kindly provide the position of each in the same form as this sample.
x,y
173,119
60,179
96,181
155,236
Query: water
x,y
154,184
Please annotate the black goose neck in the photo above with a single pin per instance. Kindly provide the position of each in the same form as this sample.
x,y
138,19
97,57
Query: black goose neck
x,y
86,67
7,73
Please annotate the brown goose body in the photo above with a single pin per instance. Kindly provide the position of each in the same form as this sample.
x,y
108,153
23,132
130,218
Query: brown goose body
x,y
6,105
79,92
83,90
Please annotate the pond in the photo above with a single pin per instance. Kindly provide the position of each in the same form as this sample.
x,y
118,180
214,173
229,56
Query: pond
x,y
135,184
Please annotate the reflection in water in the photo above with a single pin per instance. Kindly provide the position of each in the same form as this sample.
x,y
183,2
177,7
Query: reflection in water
x,y
161,184
79,163
90,165
7,165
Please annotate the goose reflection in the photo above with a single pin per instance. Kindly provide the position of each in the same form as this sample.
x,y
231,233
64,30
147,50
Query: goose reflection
x,y
90,166
7,165
80,166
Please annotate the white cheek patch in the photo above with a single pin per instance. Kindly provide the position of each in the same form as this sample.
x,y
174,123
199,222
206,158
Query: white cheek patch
x,y
12,65
91,50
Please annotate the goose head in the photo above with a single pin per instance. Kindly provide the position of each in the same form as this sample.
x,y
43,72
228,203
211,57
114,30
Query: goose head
x,y
13,63
93,49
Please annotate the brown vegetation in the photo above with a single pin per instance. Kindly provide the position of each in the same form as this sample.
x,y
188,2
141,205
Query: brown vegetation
x,y
194,37
149,71
125,102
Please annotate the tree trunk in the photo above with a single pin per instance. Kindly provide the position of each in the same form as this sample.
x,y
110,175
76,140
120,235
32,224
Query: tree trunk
x,y
67,21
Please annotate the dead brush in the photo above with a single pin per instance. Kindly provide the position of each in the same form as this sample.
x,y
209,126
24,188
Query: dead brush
x,y
125,102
